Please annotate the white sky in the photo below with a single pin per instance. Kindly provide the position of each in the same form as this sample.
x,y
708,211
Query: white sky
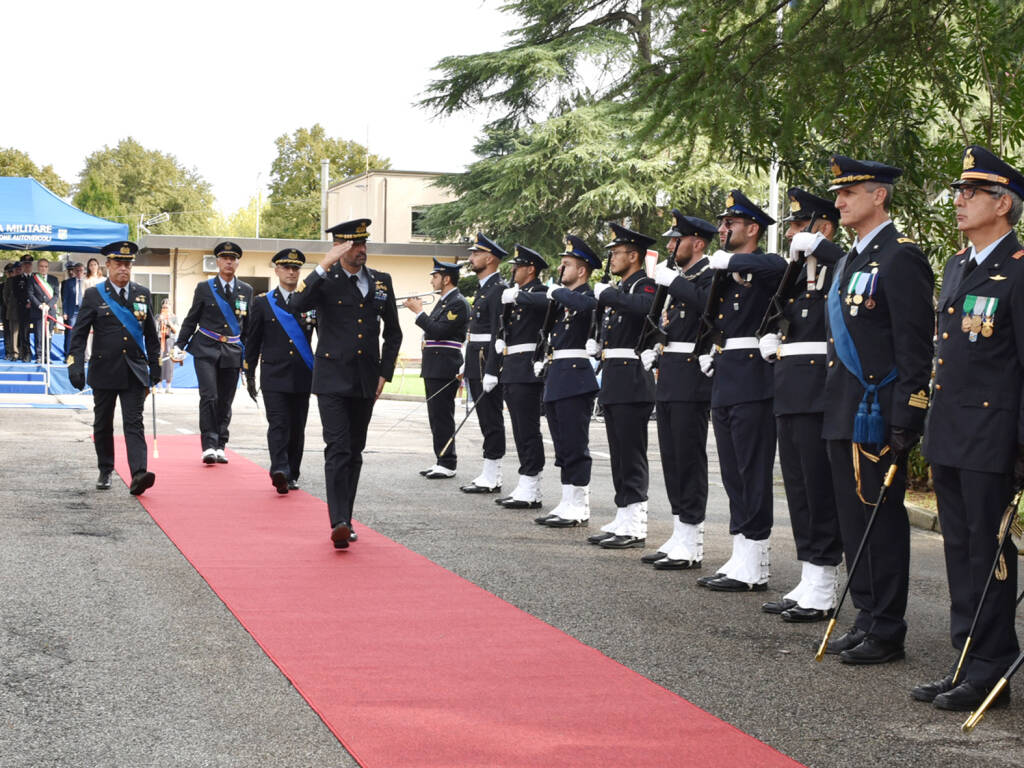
x,y
214,82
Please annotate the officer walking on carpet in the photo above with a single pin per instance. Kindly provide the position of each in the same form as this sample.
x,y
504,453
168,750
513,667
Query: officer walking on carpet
x,y
279,342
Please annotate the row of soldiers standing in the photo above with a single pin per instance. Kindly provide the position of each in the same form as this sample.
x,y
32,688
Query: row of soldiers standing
x,y
825,354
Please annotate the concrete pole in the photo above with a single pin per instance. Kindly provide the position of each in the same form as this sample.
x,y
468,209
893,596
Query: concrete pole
x,y
325,166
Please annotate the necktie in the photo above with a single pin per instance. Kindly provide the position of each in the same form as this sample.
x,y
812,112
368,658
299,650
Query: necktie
x,y
227,292
969,267
355,283
124,298
288,300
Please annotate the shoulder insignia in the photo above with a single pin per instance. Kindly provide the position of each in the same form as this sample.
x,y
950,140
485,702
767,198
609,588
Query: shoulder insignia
x,y
962,251
452,316
1018,254
873,264
919,400
648,289
997,277
905,241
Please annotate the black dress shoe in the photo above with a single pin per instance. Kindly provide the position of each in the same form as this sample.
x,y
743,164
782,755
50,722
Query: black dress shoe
x,y
474,488
652,557
141,480
851,639
543,519
340,535
703,581
778,606
667,564
561,522
623,542
221,458
600,536
725,584
872,650
967,697
798,615
293,485
353,536
502,500
280,481
928,691
103,482
511,503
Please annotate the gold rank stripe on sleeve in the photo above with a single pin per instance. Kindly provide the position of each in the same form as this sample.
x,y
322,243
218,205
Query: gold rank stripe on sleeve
x,y
1018,254
919,400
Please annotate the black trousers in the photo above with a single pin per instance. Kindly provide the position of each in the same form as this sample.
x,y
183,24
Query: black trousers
x,y
25,336
9,335
67,333
133,401
217,387
569,424
524,401
488,413
441,414
807,475
286,430
880,583
683,442
971,506
626,427
345,421
745,437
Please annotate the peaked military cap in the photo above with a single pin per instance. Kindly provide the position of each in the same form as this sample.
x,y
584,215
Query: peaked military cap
x,y
122,250
289,257
26,257
803,205
982,168
227,248
574,246
527,257
685,226
350,230
738,204
452,270
484,243
623,236
846,172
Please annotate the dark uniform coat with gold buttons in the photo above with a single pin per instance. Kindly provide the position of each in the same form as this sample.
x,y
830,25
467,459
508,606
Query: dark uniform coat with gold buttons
x,y
485,318
680,378
625,310
205,313
447,321
521,325
282,368
568,377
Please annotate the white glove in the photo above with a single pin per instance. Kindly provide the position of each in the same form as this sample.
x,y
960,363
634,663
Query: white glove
x,y
805,243
769,345
592,347
719,259
499,346
647,358
664,274
538,367
490,381
551,291
508,296
600,288
462,371
177,355
707,365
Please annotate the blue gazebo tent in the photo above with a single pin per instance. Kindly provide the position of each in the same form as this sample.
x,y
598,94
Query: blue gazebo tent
x,y
32,218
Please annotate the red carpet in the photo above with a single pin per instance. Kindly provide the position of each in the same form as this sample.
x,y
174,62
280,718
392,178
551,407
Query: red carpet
x,y
407,663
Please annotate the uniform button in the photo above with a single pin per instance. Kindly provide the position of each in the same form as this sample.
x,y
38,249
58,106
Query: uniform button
x,y
124,351
945,335
782,338
831,340
831,363
291,342
812,362
938,386
125,338
327,354
791,301
720,317
361,305
359,351
359,320
950,310
985,404
291,351
339,302
871,376
721,299
751,355
940,361
359,335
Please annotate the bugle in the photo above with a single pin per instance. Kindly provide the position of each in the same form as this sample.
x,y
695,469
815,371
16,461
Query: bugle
x,y
428,297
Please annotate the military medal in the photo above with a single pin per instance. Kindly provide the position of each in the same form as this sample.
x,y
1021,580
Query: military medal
x,y
987,328
988,325
870,303
965,324
968,312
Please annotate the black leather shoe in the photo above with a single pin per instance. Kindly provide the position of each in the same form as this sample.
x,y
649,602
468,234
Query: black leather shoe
x,y
652,557
561,522
543,519
353,536
778,606
221,458
967,697
725,584
928,691
872,650
474,488
293,485
140,482
851,639
340,535
623,542
600,536
703,581
511,503
666,564
502,500
434,475
798,615
103,482
280,481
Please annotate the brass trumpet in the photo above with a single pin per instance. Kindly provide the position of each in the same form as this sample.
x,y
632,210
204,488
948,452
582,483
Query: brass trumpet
x,y
428,297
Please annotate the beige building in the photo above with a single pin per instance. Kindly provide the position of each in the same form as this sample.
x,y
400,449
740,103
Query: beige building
x,y
172,265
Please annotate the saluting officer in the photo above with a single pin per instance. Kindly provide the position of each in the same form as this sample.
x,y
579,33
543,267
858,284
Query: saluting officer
x,y
794,341
125,362
352,302
569,380
444,331
683,393
627,390
279,342
515,345
741,393
484,258
214,332
880,327
974,438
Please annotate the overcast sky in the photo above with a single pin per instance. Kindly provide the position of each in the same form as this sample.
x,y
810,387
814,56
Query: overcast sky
x,y
214,83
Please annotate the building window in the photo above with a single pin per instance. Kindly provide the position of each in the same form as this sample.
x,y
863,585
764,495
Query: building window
x,y
418,212
159,286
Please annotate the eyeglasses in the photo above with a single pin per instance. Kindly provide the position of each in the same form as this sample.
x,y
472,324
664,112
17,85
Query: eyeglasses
x,y
968,192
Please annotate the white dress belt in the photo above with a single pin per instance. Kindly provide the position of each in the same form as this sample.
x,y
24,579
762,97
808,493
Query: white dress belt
x,y
565,354
740,342
623,353
480,337
802,348
685,347
516,349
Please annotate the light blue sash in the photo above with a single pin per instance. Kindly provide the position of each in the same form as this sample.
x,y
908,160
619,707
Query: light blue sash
x,y
229,314
294,331
124,315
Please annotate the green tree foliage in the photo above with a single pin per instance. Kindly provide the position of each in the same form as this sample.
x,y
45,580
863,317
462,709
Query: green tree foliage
x,y
128,181
242,223
14,162
295,179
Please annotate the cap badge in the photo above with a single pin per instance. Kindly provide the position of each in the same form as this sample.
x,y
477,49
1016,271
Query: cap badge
x,y
836,170
729,202
794,205
125,249
968,159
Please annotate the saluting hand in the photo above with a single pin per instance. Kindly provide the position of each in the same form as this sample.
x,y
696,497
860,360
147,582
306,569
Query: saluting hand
x,y
334,255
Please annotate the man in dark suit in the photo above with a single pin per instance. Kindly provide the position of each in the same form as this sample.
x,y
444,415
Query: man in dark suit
x,y
278,341
214,333
125,362
43,297
22,276
71,292
352,303
444,331
5,311
974,437
880,327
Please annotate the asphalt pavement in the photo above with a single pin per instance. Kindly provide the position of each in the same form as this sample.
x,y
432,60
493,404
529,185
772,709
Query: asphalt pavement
x,y
115,652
